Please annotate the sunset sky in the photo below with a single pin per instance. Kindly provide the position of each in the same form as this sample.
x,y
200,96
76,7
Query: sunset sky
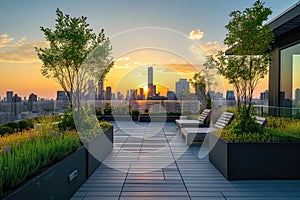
x,y
173,36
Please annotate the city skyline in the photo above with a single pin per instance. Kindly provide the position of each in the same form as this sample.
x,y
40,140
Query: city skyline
x,y
196,27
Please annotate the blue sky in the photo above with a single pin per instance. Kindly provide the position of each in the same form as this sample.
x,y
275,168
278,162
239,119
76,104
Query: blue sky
x,y
22,18
174,20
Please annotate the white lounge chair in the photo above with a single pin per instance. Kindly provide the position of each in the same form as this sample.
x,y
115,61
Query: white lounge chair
x,y
192,133
202,121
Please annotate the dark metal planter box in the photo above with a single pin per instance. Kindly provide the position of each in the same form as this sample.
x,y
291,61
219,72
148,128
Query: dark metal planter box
x,y
97,150
59,181
153,118
242,161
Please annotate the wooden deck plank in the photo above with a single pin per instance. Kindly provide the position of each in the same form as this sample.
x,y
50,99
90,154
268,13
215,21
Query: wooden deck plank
x,y
133,172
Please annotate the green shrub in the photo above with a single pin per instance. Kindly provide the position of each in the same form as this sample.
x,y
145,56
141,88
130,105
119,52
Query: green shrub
x,y
98,110
66,122
6,130
107,109
14,126
173,114
186,113
135,112
251,126
278,129
24,125
105,125
31,122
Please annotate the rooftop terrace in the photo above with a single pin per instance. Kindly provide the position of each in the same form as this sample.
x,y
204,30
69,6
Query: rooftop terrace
x,y
152,161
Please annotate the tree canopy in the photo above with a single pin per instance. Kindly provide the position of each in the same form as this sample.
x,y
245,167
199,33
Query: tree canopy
x,y
70,43
249,41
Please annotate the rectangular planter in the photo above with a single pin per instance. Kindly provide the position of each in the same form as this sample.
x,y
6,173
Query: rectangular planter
x,y
153,118
59,181
97,150
238,161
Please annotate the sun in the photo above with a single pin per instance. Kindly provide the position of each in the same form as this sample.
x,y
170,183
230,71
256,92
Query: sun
x,y
145,89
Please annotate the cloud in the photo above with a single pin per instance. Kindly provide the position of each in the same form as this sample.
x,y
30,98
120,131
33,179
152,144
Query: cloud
x,y
196,35
5,39
180,68
212,48
209,48
123,59
137,63
21,53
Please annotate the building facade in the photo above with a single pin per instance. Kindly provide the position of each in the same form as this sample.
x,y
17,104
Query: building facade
x,y
150,82
285,65
181,87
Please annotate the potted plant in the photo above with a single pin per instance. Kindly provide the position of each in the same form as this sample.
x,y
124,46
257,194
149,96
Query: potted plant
x,y
135,115
145,116
99,115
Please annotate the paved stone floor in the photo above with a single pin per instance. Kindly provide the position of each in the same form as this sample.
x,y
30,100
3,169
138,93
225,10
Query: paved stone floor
x,y
151,161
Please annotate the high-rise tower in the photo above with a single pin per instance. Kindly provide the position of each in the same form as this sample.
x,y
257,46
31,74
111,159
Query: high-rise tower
x,y
150,81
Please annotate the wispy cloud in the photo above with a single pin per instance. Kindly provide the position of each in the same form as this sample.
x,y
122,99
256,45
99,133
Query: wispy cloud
x,y
196,35
209,48
127,58
212,48
20,52
5,40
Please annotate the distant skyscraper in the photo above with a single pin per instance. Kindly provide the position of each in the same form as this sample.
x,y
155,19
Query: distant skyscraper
x,y
264,95
119,96
100,90
141,95
230,98
61,96
131,95
16,105
230,95
108,93
297,97
91,90
9,96
150,81
171,95
181,86
31,105
297,94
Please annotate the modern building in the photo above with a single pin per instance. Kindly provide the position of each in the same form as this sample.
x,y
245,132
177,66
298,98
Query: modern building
x,y
230,95
230,98
108,93
181,87
150,82
141,95
9,96
91,90
61,96
171,95
264,95
32,103
285,66
100,90
16,107
297,98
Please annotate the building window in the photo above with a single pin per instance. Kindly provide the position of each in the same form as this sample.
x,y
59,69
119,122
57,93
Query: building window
x,y
290,79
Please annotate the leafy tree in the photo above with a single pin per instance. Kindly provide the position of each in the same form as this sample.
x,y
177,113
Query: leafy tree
x,y
70,43
204,81
249,41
